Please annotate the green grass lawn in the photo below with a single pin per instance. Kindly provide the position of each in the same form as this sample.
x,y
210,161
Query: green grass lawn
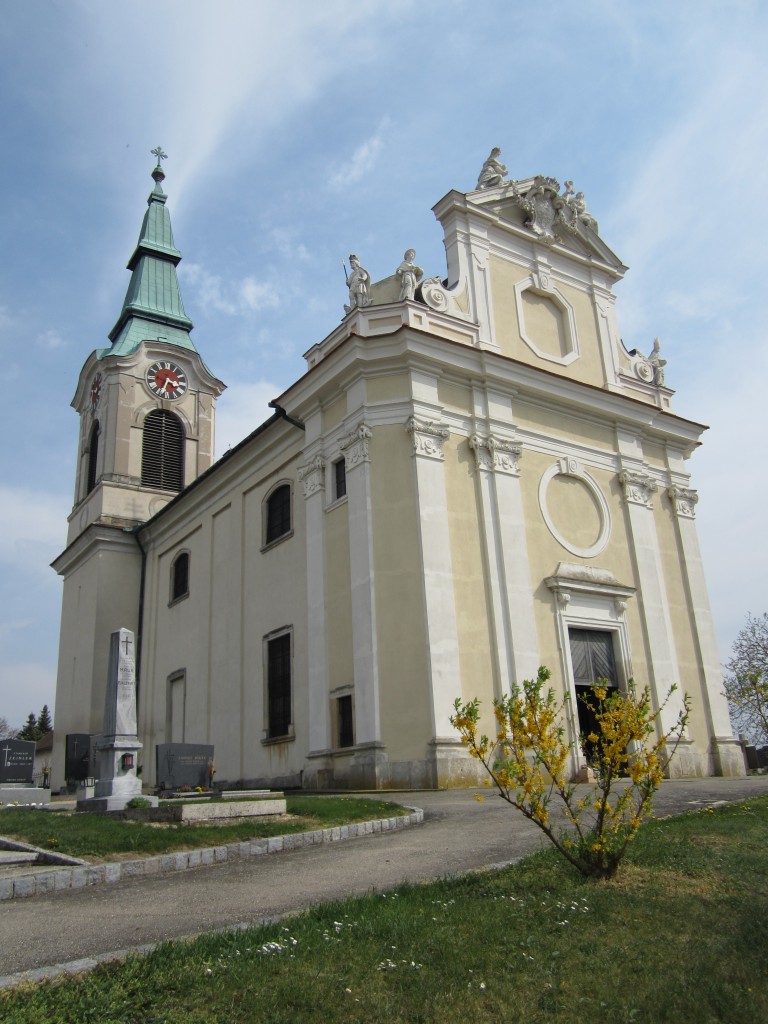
x,y
680,935
100,836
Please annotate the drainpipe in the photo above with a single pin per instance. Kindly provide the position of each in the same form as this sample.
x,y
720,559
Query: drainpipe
x,y
134,530
281,412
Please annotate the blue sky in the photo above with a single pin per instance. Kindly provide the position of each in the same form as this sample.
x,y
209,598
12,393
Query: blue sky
x,y
300,132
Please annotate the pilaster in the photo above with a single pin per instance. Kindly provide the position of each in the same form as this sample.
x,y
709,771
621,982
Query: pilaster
x,y
355,448
639,487
312,477
725,748
506,552
428,438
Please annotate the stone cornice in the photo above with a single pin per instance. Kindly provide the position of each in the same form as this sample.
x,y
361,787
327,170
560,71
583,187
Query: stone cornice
x,y
411,348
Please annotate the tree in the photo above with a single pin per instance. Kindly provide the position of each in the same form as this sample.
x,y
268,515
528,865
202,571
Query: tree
x,y
528,760
7,732
746,681
30,730
44,724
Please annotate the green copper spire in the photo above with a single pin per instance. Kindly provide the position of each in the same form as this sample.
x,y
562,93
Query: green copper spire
x,y
152,308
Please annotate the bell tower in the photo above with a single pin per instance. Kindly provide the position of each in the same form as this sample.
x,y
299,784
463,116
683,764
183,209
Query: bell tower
x,y
146,404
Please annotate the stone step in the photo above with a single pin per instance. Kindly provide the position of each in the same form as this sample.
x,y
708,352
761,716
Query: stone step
x,y
242,794
17,857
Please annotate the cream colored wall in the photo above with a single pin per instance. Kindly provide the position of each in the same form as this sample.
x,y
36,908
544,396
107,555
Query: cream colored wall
x,y
334,413
406,724
588,367
561,425
545,552
239,593
94,605
387,388
691,680
455,397
473,616
338,601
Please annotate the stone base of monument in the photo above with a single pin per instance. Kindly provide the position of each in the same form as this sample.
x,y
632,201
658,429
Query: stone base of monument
x,y
117,785
214,810
102,804
24,795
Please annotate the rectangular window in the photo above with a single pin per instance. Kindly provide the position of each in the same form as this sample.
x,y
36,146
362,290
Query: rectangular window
x,y
592,659
592,656
345,721
279,686
339,479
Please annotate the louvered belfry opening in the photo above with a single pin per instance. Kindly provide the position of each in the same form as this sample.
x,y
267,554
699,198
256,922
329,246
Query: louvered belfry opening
x,y
162,451
93,456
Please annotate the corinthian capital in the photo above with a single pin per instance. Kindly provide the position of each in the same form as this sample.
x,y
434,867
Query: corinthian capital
x,y
312,476
684,501
427,437
355,447
638,487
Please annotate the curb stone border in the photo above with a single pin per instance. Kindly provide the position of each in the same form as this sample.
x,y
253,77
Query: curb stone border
x,y
59,879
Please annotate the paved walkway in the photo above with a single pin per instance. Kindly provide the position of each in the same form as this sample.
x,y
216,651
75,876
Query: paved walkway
x,y
459,834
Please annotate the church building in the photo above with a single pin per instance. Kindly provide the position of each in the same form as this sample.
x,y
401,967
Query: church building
x,y
473,477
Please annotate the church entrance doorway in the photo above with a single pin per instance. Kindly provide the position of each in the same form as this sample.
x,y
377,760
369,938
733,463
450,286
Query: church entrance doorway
x,y
592,659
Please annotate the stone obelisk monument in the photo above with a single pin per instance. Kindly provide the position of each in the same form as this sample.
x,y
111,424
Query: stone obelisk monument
x,y
119,746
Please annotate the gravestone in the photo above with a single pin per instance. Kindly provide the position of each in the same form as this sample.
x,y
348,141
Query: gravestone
x,y
183,764
118,748
78,764
17,758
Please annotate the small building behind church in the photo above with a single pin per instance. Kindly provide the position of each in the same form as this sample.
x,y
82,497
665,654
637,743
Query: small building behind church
x,y
473,477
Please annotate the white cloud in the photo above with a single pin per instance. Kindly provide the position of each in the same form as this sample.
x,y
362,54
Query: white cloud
x,y
236,77
32,528
234,298
258,295
284,242
50,340
362,161
241,409
695,190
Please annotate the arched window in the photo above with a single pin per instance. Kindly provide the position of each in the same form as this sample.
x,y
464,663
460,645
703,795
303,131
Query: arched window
x,y
180,576
93,455
278,513
162,451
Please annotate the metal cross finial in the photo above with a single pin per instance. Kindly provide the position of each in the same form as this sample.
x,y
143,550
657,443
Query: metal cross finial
x,y
158,152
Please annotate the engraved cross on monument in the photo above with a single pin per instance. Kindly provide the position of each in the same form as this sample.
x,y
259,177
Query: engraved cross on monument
x,y
119,746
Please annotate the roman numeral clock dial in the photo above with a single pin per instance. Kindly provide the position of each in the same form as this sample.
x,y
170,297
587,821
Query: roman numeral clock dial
x,y
166,380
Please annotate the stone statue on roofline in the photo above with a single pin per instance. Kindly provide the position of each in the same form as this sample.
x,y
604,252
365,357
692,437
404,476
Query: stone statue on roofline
x,y
409,275
657,363
493,170
359,284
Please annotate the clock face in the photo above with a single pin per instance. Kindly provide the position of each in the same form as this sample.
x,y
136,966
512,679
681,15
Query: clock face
x,y
166,380
95,391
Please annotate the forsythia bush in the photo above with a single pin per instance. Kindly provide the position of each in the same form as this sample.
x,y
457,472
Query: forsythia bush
x,y
528,761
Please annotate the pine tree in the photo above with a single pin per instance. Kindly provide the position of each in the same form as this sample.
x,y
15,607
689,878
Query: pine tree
x,y
30,731
44,721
